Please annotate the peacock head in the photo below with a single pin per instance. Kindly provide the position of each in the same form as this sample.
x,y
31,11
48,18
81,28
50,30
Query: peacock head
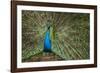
x,y
49,24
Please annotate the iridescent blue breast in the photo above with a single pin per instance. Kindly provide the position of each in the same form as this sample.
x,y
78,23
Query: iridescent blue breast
x,y
47,42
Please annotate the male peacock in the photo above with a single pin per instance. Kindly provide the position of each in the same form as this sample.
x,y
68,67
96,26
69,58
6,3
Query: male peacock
x,y
47,41
55,33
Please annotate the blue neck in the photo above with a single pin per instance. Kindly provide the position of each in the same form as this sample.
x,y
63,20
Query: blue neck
x,y
47,41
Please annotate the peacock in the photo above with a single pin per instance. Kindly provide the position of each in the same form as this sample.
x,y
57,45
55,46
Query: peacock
x,y
47,41
57,33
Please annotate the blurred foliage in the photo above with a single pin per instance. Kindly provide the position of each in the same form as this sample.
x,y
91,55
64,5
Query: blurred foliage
x,y
70,34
